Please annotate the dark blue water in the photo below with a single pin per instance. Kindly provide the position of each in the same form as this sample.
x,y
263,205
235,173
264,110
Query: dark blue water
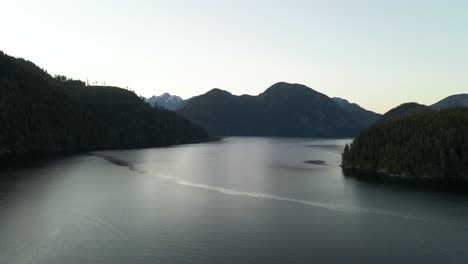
x,y
241,200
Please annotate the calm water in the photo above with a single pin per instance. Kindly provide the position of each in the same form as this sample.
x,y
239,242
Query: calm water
x,y
241,200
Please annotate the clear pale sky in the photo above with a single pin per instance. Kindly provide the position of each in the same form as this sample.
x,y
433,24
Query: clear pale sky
x,y
378,54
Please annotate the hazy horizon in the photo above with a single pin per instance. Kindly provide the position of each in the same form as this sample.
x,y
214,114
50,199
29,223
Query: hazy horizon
x,y
373,53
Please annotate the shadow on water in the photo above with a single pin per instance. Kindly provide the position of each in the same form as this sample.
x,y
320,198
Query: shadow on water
x,y
448,185
289,167
22,162
118,162
338,148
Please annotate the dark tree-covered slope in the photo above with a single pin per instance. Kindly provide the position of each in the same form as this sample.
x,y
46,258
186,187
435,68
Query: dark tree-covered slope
x,y
429,144
364,117
39,113
282,110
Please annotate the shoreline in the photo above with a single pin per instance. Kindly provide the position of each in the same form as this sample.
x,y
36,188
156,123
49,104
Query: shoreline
x,y
426,182
10,160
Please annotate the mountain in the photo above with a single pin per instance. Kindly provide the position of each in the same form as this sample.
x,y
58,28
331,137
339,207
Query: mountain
x,y
458,100
40,113
404,110
425,145
359,114
284,109
167,101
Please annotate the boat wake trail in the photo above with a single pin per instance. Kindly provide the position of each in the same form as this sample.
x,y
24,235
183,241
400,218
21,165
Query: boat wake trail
x,y
325,206
321,205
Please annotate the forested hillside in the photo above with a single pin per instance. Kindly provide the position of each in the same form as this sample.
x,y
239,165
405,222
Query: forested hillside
x,y
429,144
40,113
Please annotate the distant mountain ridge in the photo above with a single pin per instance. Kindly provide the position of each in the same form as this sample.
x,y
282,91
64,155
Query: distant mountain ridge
x,y
359,114
167,101
404,110
284,109
457,100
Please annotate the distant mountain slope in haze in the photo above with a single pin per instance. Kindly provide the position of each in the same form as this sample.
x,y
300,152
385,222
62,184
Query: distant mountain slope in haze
x,y
403,110
359,114
284,109
167,101
39,113
458,100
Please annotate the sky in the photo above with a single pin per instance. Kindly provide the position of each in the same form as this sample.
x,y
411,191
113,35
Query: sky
x,y
378,54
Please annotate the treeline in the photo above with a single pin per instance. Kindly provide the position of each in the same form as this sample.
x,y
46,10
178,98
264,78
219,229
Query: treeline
x,y
429,144
40,113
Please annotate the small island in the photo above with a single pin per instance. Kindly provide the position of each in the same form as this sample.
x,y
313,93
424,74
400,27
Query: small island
x,y
428,145
316,162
